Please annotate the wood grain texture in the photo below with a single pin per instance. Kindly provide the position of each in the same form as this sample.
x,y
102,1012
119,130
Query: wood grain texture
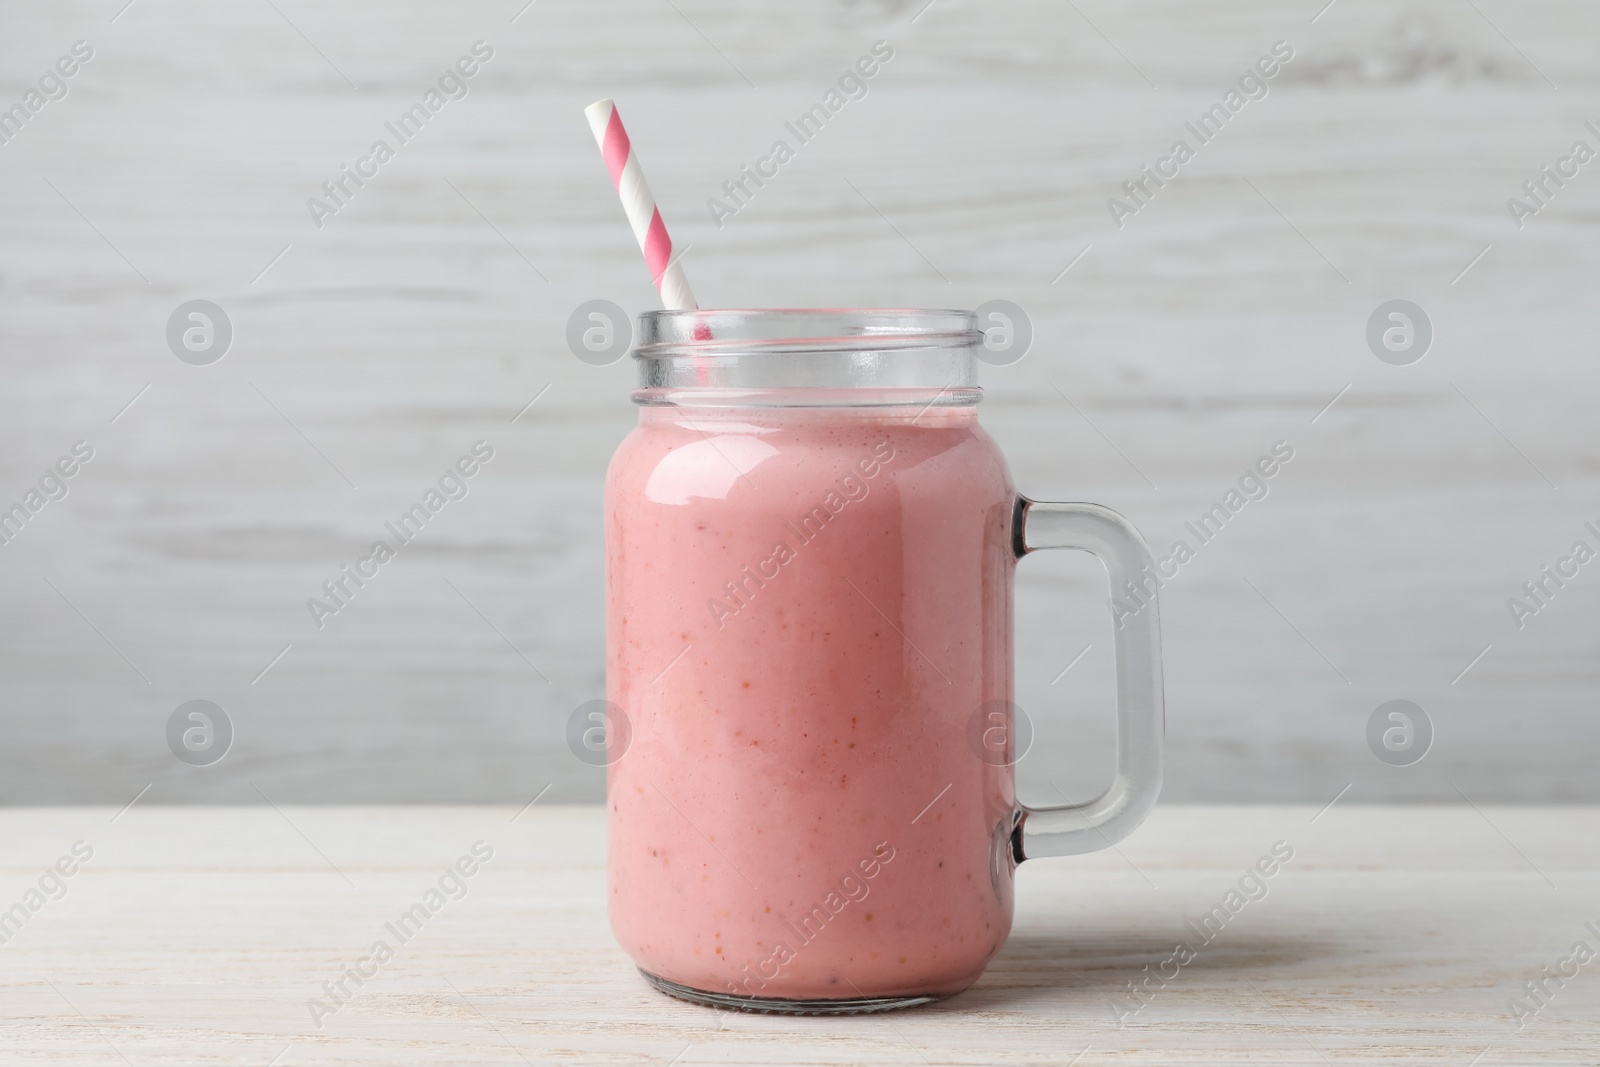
x,y
197,935
426,314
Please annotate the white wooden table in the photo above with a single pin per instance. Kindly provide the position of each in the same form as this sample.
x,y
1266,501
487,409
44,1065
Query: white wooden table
x,y
198,935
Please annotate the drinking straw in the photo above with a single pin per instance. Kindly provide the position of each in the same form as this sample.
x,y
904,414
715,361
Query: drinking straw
x,y
639,205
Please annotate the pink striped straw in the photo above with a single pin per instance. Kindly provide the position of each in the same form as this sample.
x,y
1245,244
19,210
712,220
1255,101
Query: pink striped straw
x,y
639,205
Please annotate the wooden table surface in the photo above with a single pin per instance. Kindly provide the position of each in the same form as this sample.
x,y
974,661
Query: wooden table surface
x,y
198,935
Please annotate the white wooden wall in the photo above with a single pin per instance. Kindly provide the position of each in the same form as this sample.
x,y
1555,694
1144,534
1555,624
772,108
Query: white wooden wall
x,y
431,310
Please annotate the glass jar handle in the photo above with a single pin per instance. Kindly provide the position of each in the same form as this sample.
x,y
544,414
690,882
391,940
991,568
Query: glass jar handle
x,y
1070,829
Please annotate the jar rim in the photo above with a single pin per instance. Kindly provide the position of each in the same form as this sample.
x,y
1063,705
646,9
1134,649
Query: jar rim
x,y
793,330
833,355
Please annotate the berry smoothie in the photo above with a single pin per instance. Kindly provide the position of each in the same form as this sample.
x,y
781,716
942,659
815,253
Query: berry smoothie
x,y
806,608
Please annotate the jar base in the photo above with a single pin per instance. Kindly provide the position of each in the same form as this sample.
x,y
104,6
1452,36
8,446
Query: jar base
x,y
785,1005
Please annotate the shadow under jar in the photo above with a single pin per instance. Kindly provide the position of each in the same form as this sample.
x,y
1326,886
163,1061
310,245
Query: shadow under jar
x,y
810,546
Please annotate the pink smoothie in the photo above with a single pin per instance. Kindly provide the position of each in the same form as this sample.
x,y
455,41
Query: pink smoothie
x,y
805,610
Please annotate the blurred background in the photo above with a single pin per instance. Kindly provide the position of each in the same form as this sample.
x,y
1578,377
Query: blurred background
x,y
373,346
